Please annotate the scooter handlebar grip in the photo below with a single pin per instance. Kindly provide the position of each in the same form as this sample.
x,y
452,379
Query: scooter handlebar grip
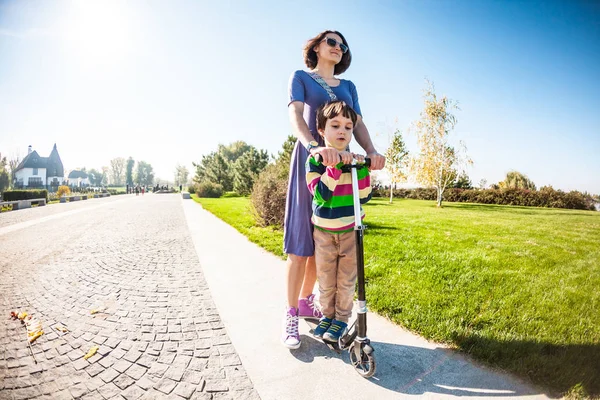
x,y
319,158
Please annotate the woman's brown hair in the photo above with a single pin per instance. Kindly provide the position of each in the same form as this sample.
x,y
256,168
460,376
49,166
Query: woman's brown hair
x,y
311,59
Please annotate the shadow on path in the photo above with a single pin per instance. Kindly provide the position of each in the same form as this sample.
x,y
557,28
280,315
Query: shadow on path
x,y
416,370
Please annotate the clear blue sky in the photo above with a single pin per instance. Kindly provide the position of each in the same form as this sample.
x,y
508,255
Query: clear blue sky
x,y
167,81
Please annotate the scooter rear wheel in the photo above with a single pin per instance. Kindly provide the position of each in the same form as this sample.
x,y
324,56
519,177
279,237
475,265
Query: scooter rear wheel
x,y
362,359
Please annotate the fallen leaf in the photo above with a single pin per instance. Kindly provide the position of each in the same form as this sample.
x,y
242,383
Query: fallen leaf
x,y
35,335
22,315
34,328
91,352
61,329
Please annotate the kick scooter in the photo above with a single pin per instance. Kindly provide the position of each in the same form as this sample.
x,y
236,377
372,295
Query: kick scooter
x,y
355,338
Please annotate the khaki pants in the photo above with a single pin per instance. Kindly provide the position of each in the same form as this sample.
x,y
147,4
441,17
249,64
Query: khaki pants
x,y
335,255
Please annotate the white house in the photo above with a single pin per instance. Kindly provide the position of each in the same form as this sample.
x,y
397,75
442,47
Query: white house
x,y
78,178
39,172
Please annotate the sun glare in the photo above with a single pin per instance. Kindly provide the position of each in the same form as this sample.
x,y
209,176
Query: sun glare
x,y
98,31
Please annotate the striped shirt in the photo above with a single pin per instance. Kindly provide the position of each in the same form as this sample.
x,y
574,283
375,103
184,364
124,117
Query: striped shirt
x,y
332,205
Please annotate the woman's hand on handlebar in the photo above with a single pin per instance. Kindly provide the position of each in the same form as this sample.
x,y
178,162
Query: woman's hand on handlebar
x,y
377,161
346,157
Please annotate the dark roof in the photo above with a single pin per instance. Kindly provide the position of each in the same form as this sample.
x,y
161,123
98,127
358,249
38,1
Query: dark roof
x,y
77,174
32,160
53,164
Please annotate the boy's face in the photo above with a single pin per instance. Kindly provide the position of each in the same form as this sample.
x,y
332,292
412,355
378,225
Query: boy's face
x,y
337,132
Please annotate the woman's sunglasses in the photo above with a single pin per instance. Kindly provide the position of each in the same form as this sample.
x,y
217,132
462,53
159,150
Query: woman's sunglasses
x,y
332,42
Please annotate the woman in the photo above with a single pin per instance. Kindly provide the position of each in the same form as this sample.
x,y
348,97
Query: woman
x,y
326,55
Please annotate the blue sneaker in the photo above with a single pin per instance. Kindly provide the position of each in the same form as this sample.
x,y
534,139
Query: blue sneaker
x,y
324,324
334,332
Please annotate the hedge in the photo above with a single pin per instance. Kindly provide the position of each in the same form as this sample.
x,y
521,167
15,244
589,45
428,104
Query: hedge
x,y
14,195
545,197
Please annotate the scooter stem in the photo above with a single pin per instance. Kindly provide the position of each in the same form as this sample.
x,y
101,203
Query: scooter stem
x,y
361,325
356,198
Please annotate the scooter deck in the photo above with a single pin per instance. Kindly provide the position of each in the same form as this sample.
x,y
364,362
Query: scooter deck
x,y
312,323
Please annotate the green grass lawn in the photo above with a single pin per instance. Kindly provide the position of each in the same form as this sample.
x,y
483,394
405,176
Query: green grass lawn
x,y
516,287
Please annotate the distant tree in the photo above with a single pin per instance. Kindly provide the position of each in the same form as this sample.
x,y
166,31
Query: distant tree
x,y
285,155
181,175
214,168
217,167
117,171
376,182
437,164
396,161
144,175
516,180
13,163
129,171
105,176
4,174
247,168
95,177
463,182
233,151
483,183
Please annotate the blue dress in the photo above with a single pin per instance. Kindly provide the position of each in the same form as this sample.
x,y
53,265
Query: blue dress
x,y
297,233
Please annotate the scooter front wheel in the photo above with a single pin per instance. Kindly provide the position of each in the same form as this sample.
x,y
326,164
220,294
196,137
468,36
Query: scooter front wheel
x,y
362,359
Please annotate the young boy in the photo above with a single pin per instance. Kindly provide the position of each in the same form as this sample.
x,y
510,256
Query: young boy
x,y
333,218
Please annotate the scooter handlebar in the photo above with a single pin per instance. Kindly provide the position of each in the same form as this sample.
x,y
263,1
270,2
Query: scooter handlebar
x,y
367,162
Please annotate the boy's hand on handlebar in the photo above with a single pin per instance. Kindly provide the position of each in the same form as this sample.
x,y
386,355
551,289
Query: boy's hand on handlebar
x,y
377,161
360,159
329,156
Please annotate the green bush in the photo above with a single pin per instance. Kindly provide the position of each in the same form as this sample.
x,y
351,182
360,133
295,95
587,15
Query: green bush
x,y
209,189
14,195
269,194
191,188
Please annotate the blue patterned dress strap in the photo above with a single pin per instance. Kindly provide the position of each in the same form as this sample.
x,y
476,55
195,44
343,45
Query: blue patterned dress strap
x,y
323,84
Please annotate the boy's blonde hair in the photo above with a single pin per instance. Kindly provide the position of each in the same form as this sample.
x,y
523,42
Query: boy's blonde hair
x,y
332,110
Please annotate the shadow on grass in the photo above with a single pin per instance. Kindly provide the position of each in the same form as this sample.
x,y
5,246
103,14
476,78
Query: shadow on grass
x,y
374,226
541,211
558,367
381,203
415,370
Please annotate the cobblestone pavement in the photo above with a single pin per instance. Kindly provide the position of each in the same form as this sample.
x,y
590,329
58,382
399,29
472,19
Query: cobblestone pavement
x,y
31,214
132,260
